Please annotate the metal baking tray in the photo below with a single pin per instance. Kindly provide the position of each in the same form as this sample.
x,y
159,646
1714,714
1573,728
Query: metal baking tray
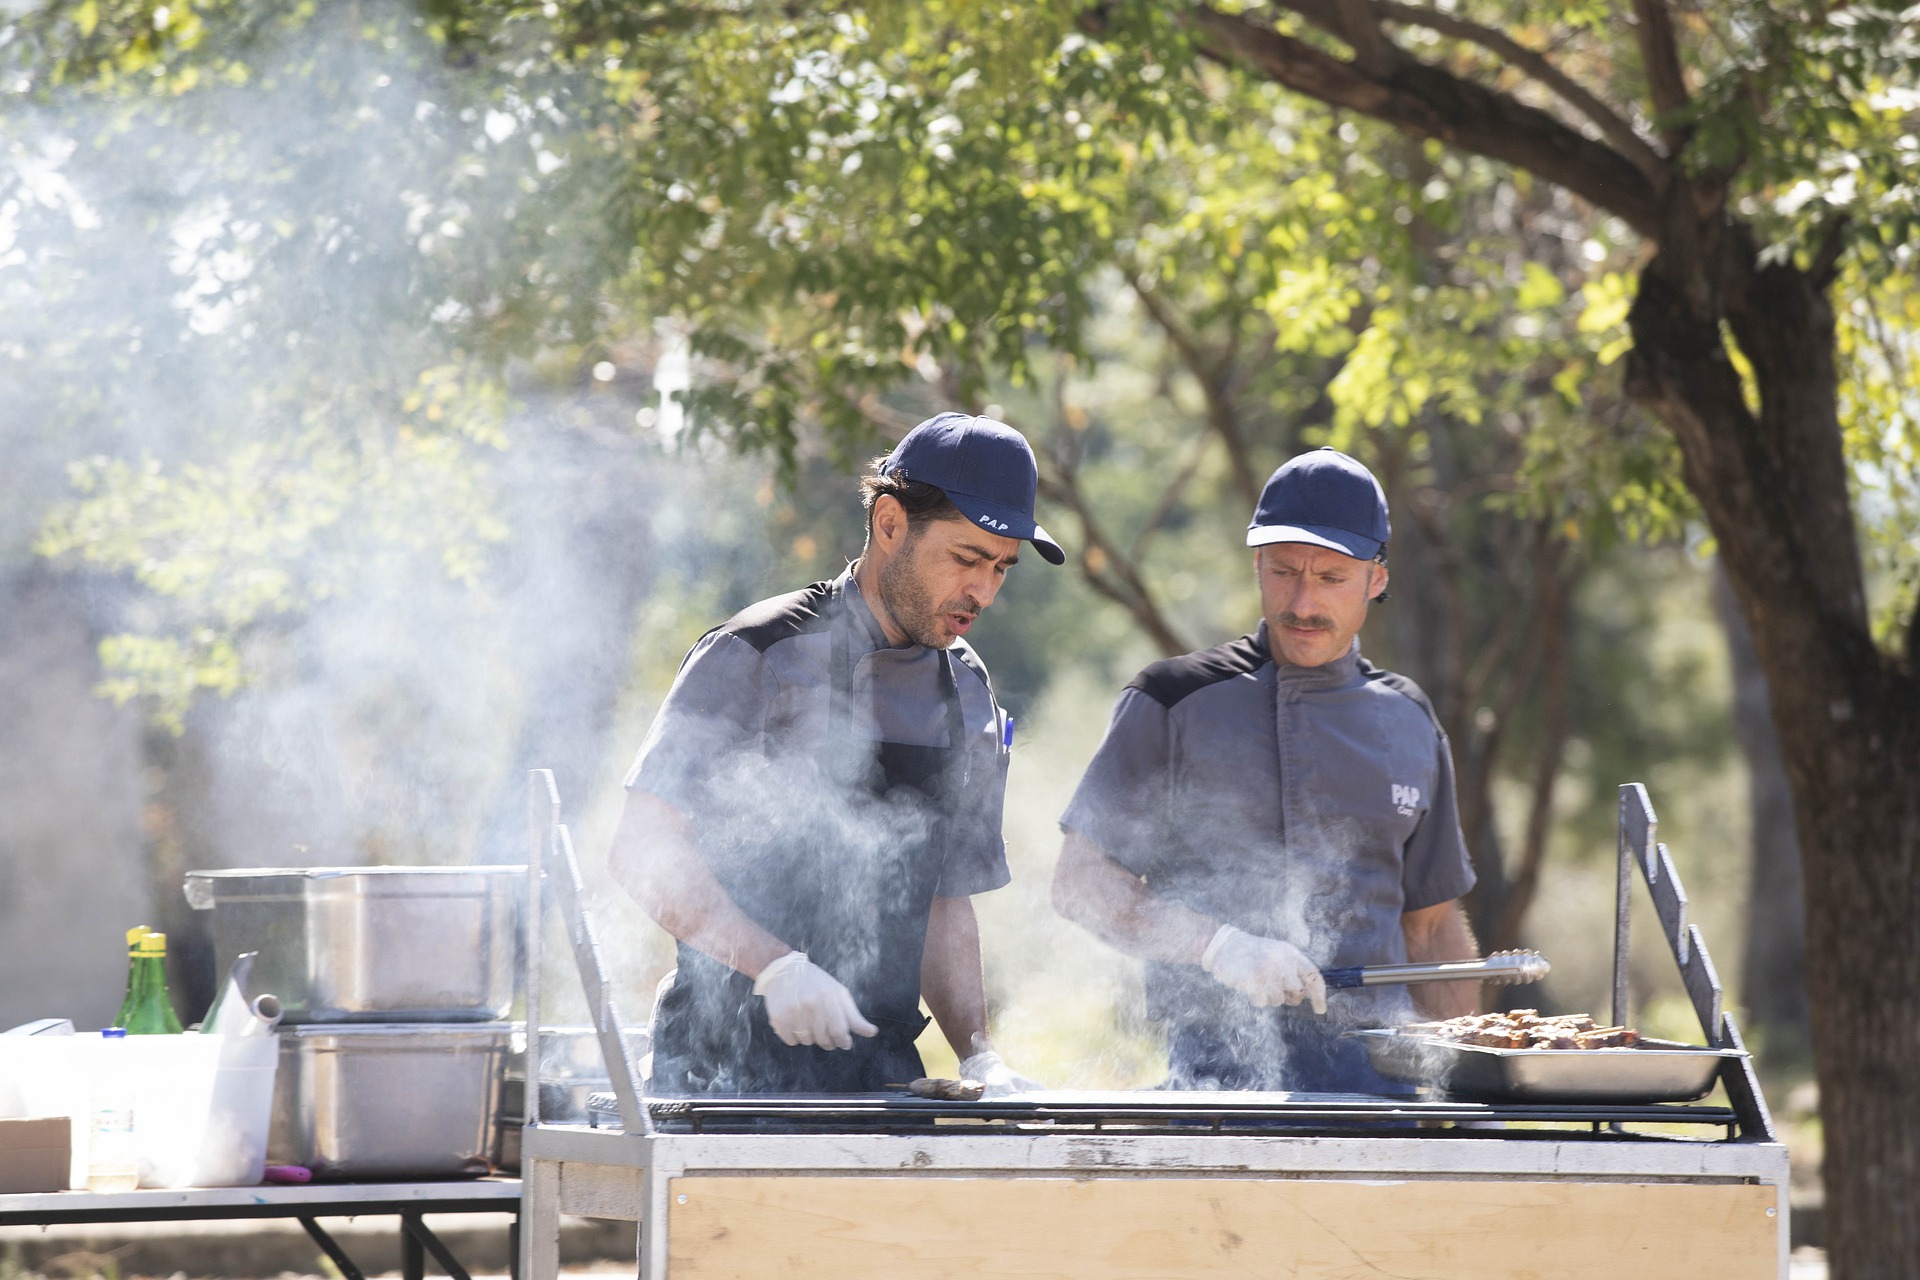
x,y
1652,1071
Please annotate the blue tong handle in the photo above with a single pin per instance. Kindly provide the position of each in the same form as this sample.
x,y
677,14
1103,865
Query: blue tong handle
x,y
1346,976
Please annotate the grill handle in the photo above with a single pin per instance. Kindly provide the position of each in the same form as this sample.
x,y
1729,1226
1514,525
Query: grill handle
x,y
1502,967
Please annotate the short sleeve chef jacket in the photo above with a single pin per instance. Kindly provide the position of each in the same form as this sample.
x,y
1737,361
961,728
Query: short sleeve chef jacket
x,y
1311,804
736,744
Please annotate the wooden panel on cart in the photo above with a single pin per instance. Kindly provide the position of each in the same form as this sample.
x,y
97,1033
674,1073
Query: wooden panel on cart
x,y
840,1228
601,1191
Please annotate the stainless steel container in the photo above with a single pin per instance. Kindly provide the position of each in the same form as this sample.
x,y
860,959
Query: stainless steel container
x,y
371,944
1651,1071
394,1101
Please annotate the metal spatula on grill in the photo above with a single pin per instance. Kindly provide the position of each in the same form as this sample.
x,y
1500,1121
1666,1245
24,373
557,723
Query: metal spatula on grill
x,y
1502,967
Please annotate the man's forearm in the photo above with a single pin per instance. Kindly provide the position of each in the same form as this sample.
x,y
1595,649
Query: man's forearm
x,y
1100,895
1441,933
951,978
654,858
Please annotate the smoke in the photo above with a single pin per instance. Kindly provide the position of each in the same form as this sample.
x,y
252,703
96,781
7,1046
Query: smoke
x,y
250,410
361,568
304,394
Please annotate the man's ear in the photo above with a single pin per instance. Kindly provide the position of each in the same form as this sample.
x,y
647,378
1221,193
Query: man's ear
x,y
889,522
1378,586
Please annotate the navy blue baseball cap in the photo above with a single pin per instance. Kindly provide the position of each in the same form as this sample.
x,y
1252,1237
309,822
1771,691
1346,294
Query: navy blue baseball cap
x,y
984,467
1324,499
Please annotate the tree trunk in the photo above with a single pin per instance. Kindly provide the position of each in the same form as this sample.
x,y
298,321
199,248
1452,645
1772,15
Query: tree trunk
x,y
1857,790
1773,970
1773,485
1429,632
1555,607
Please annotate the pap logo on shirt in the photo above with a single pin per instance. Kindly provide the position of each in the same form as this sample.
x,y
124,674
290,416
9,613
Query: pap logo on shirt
x,y
991,523
1405,799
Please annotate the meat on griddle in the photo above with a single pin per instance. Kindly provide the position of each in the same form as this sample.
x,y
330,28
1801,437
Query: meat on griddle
x,y
947,1090
1526,1029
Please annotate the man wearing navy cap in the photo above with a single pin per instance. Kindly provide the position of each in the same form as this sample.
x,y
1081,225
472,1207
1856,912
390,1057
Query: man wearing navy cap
x,y
821,794
1273,806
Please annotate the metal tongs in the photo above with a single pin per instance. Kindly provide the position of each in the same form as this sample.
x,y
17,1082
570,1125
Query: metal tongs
x,y
1502,967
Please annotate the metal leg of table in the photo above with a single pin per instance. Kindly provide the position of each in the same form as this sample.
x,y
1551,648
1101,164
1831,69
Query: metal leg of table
x,y
331,1247
539,1220
413,1258
421,1235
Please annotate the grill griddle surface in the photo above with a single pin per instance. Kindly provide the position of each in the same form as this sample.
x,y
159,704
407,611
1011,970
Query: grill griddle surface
x,y
1166,1111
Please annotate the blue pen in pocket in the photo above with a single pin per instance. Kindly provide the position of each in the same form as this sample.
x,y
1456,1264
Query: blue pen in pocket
x,y
1006,736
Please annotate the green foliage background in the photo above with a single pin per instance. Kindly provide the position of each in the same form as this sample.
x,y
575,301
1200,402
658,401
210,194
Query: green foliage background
x,y
290,293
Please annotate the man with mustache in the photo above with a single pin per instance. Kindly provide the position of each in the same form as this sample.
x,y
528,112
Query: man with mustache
x,y
1275,805
821,794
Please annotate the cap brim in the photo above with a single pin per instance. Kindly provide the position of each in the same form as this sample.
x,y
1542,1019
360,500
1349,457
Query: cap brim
x,y
1007,522
1315,535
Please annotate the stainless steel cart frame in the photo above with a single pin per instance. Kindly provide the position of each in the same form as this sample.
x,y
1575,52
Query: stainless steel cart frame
x,y
1136,1201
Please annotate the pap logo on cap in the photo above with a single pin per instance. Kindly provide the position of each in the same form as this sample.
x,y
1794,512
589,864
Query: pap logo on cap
x,y
998,526
1405,799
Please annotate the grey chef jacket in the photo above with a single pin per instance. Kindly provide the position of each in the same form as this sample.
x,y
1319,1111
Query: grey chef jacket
x,y
738,745
1310,804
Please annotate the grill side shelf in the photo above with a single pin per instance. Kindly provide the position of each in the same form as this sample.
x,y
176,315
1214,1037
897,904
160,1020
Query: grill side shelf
x,y
1637,845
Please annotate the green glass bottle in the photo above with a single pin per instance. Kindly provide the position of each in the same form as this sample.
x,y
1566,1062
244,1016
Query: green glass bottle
x,y
134,971
152,1013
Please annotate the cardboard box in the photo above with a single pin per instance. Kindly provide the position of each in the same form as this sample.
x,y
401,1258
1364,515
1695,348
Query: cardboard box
x,y
34,1154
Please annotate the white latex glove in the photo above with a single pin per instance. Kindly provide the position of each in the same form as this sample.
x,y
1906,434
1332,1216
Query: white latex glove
x,y
807,1005
1266,971
1000,1079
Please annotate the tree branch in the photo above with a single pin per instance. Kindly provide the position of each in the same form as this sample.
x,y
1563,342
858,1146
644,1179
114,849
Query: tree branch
x,y
1373,53
1170,497
1536,65
1213,377
1324,14
1427,102
1660,56
1104,569
1826,259
871,409
1103,566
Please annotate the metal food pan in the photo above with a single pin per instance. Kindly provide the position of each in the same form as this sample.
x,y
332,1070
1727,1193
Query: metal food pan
x,y
371,944
404,1100
1651,1071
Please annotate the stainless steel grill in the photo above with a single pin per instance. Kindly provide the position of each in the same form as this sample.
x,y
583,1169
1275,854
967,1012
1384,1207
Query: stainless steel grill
x,y
1119,1186
1346,1114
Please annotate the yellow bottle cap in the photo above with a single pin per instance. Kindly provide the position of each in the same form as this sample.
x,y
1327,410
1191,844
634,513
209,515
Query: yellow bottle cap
x,y
153,944
136,933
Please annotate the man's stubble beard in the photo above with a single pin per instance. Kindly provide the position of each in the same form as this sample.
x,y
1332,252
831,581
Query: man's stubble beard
x,y
907,599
